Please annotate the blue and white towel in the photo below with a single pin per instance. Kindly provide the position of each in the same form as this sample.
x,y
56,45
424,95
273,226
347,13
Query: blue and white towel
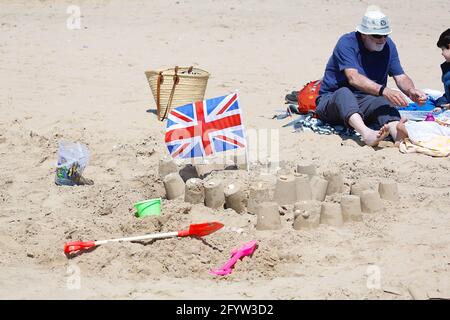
x,y
418,113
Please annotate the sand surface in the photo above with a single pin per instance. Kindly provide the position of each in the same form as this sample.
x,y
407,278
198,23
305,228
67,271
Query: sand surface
x,y
88,85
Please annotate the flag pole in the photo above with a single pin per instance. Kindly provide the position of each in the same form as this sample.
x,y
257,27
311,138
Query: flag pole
x,y
245,134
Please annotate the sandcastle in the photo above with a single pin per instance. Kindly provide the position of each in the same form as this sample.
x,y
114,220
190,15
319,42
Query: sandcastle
x,y
319,188
335,181
214,194
371,201
234,197
307,168
331,214
174,185
259,192
285,190
306,214
268,216
359,186
314,199
302,187
166,165
194,191
351,208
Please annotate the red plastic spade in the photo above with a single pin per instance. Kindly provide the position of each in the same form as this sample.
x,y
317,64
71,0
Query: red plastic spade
x,y
195,230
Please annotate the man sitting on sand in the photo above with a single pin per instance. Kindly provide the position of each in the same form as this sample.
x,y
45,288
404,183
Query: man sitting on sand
x,y
353,90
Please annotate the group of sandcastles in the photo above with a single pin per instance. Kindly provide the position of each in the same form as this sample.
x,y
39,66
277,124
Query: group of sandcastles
x,y
303,189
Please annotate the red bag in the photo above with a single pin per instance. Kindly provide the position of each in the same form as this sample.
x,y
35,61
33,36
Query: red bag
x,y
307,97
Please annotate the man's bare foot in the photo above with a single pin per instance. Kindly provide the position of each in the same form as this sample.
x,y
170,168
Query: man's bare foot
x,y
372,137
402,133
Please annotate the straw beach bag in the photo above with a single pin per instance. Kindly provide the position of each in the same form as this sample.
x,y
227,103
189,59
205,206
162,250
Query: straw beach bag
x,y
176,87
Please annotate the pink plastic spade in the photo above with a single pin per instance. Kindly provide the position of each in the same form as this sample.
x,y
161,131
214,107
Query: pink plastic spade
x,y
246,250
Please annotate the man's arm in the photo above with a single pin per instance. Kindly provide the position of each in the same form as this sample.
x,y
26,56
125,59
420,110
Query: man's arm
x,y
368,86
360,82
406,85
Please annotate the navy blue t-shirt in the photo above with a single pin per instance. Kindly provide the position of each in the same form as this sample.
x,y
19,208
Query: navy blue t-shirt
x,y
446,81
350,52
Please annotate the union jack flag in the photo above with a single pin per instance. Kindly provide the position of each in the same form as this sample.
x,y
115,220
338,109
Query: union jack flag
x,y
204,128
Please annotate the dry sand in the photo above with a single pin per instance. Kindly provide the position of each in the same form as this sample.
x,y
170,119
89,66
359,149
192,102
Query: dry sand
x,y
88,85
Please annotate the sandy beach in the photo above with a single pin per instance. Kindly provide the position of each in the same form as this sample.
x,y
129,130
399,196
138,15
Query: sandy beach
x,y
88,85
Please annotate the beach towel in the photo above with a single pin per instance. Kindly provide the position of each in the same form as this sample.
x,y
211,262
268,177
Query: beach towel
x,y
425,130
309,122
419,113
443,118
438,146
427,137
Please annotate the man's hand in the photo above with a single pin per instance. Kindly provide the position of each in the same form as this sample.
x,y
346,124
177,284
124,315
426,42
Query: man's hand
x,y
395,97
418,96
405,84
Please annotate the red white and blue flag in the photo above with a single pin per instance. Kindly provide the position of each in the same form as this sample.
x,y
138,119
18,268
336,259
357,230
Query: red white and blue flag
x,y
205,128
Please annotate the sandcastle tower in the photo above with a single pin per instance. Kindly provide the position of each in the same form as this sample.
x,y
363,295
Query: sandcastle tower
x,y
351,208
174,185
259,192
306,214
285,190
371,201
331,214
214,195
319,188
268,216
335,181
166,165
194,191
359,186
234,197
306,167
302,187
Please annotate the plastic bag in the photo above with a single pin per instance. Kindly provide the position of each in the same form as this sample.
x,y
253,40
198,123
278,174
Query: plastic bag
x,y
73,157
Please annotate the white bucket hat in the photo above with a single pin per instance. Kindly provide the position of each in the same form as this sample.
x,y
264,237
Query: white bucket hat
x,y
374,22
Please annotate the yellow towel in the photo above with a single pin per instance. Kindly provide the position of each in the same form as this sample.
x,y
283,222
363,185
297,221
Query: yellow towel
x,y
438,146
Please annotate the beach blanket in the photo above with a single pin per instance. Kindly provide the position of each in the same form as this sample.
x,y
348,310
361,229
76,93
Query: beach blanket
x,y
309,122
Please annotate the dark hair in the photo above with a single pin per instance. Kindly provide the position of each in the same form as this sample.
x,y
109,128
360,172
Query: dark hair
x,y
444,40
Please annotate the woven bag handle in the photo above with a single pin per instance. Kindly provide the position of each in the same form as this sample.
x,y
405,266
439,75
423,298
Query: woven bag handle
x,y
176,80
159,82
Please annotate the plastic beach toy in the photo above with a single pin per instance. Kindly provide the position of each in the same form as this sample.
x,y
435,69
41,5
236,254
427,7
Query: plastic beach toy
x,y
246,250
429,117
195,230
151,207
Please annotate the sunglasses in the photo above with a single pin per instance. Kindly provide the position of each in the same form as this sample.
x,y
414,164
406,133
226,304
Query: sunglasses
x,y
379,36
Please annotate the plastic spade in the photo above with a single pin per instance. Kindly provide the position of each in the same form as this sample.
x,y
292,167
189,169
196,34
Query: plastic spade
x,y
246,250
195,230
